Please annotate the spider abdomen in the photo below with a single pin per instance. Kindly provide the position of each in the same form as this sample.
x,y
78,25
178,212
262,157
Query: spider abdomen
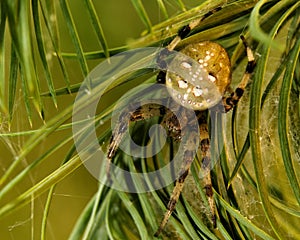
x,y
204,80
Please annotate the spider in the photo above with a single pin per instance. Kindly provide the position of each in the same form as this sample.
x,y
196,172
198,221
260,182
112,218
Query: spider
x,y
215,62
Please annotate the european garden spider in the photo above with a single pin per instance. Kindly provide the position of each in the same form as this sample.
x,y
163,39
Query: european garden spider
x,y
215,63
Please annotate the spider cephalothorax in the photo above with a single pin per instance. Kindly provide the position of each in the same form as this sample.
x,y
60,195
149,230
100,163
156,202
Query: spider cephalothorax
x,y
207,67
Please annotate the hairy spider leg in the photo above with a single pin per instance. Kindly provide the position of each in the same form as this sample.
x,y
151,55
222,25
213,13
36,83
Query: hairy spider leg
x,y
146,111
233,99
181,34
206,162
188,158
185,30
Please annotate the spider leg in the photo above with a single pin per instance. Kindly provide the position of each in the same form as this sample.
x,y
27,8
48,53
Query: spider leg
x,y
188,156
185,30
146,111
233,99
181,34
206,163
